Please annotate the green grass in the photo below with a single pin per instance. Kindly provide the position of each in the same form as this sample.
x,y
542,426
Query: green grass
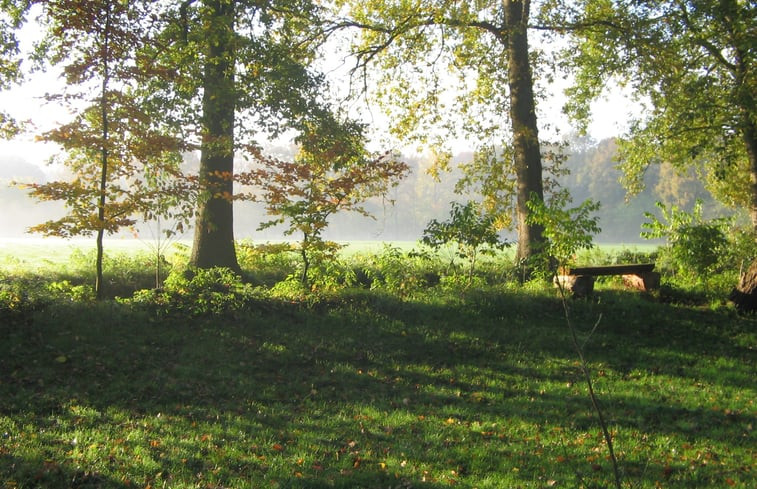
x,y
474,389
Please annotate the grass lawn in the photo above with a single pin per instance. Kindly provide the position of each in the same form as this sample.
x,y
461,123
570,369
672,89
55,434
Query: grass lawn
x,y
473,389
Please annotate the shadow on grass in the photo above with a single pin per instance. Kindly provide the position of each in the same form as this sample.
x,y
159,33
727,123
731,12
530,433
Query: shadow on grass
x,y
44,473
368,391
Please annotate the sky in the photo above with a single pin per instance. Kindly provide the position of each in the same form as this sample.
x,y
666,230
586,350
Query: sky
x,y
610,116
610,112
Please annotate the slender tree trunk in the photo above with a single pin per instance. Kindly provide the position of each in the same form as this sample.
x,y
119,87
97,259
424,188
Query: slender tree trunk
x,y
214,231
527,153
104,157
750,139
305,262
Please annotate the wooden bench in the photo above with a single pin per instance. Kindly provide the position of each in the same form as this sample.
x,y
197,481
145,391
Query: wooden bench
x,y
580,280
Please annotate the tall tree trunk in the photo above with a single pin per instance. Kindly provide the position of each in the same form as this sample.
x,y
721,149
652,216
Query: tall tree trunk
x,y
214,231
103,157
527,153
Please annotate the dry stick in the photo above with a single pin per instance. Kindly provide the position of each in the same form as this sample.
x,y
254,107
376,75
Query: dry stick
x,y
587,377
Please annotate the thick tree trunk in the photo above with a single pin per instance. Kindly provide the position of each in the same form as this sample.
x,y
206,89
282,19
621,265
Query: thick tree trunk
x,y
214,231
744,296
525,131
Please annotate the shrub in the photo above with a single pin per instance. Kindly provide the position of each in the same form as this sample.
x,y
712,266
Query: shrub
x,y
694,246
266,263
470,231
396,271
567,230
197,292
67,290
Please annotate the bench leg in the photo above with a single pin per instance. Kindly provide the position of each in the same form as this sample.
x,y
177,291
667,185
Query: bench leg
x,y
578,285
644,281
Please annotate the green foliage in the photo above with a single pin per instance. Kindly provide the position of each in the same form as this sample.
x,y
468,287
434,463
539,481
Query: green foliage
x,y
12,15
695,65
399,272
469,230
696,246
567,229
741,249
197,292
491,174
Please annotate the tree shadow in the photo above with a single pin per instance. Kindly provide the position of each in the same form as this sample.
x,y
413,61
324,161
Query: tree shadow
x,y
295,383
46,473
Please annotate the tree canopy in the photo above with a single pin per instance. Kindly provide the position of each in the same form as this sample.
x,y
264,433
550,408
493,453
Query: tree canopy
x,y
693,66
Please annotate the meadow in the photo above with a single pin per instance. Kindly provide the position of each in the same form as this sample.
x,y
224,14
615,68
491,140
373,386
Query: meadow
x,y
403,377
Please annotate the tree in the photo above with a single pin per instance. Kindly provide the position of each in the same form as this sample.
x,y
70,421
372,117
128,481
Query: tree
x,y
11,18
695,63
471,232
231,71
332,173
111,140
484,41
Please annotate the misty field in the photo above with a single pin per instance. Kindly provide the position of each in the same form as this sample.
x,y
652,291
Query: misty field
x,y
387,384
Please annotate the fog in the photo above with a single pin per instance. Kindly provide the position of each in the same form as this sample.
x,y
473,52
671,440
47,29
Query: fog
x,y
401,216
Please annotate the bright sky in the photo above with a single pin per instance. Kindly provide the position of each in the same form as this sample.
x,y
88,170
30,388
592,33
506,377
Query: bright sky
x,y
25,103
611,114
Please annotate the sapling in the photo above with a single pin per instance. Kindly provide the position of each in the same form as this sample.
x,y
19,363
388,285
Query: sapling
x,y
471,231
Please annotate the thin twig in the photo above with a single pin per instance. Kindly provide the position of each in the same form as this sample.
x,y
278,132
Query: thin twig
x,y
589,383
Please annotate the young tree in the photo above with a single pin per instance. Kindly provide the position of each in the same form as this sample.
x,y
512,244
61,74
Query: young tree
x,y
695,63
466,228
111,139
415,43
332,173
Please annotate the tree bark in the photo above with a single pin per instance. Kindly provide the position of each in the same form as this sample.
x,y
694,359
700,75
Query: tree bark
x,y
527,153
744,296
214,230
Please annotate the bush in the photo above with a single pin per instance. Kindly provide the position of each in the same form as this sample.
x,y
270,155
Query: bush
x,y
694,246
76,293
267,263
197,292
467,229
396,271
